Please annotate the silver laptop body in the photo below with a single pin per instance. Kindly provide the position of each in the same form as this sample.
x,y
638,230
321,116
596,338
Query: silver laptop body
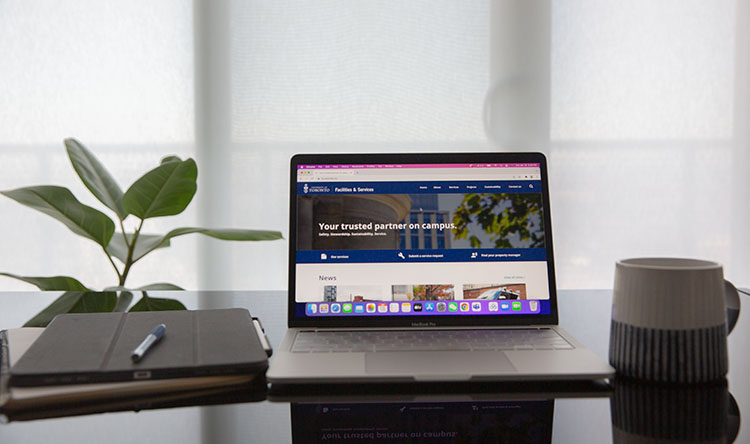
x,y
423,267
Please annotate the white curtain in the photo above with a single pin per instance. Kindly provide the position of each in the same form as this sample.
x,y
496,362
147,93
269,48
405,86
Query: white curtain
x,y
118,76
641,106
649,125
325,76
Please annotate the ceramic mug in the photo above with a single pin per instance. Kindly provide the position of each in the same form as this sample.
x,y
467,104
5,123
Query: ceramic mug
x,y
670,319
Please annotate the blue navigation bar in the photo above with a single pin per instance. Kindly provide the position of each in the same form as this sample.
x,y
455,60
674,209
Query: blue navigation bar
x,y
459,187
407,256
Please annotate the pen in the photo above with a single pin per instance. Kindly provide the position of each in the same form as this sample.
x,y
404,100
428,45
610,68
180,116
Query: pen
x,y
262,336
150,340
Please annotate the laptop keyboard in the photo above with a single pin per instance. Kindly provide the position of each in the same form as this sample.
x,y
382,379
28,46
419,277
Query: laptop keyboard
x,y
424,340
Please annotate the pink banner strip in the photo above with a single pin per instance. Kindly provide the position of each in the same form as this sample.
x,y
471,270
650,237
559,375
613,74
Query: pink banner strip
x,y
418,165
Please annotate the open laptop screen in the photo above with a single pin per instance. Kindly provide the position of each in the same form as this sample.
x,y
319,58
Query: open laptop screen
x,y
415,239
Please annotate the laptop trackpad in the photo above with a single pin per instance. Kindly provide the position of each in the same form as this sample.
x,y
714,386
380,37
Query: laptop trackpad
x,y
438,364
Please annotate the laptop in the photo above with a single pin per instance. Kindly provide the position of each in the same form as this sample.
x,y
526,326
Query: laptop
x,y
423,267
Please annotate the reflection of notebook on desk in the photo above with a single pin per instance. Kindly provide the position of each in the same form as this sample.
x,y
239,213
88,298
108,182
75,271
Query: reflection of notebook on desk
x,y
424,267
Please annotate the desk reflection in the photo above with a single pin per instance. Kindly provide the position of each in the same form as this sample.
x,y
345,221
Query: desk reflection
x,y
673,413
517,421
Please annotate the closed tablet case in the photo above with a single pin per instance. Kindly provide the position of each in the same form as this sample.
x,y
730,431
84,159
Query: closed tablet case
x,y
97,347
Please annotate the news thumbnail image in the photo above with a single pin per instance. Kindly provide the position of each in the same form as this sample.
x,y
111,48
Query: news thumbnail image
x,y
430,292
492,292
419,221
356,293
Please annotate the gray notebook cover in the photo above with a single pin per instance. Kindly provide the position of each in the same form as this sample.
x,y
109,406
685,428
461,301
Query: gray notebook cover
x,y
97,347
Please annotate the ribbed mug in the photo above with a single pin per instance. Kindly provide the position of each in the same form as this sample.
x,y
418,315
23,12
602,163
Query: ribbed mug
x,y
670,319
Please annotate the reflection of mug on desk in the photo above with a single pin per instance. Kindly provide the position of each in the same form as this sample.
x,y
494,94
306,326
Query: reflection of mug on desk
x,y
669,319
646,412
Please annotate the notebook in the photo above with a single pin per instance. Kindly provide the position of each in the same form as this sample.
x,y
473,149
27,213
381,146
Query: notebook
x,y
424,267
98,347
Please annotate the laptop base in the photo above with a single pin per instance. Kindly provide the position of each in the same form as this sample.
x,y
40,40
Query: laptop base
x,y
436,366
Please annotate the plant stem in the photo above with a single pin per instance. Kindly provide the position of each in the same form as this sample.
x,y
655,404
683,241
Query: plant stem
x,y
119,276
131,248
124,236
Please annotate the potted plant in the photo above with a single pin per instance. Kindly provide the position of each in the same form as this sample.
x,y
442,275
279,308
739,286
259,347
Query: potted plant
x,y
164,191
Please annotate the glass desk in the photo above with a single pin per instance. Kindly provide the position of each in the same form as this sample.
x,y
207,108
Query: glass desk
x,y
624,411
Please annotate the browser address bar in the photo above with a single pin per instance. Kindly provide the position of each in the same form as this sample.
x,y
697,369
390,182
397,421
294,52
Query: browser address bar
x,y
422,174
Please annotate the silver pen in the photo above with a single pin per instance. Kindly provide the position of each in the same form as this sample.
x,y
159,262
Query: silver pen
x,y
150,340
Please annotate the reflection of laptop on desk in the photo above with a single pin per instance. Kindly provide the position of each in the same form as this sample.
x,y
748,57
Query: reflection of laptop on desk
x,y
517,420
428,267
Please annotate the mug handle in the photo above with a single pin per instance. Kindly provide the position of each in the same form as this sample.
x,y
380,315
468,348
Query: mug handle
x,y
732,298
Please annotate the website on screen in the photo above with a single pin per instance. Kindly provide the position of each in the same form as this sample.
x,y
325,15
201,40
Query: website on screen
x,y
436,239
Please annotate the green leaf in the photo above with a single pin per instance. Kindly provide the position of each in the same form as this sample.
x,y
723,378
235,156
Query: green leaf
x,y
475,242
231,234
170,159
144,244
161,286
123,301
60,203
148,303
96,177
75,302
164,191
62,283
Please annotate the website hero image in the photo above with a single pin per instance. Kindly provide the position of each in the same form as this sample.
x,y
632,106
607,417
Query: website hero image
x,y
416,240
